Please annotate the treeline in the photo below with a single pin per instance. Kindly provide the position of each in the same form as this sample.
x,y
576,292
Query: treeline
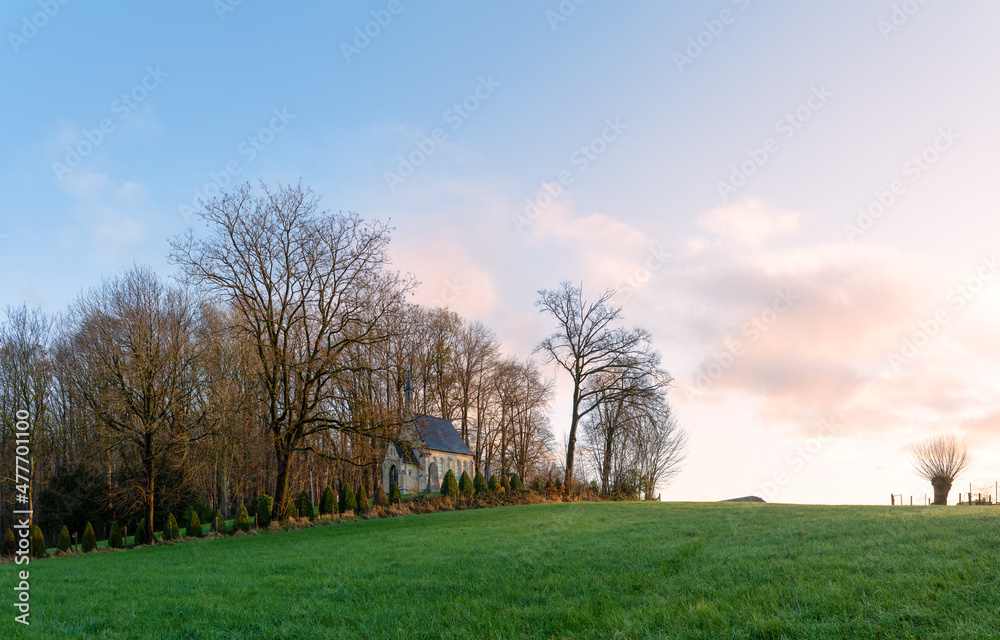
x,y
275,364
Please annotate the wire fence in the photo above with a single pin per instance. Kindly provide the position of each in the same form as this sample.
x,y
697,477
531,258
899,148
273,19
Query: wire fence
x,y
974,496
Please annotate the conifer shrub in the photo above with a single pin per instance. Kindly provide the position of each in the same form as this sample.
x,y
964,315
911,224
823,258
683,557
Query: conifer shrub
x,y
304,504
328,502
115,540
194,527
220,526
64,540
140,532
395,497
505,483
170,530
9,545
558,484
538,485
449,487
479,484
263,505
380,499
89,539
494,484
242,519
291,511
37,541
515,483
347,500
362,499
465,485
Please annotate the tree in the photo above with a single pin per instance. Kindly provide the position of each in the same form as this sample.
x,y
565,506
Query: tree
x,y
305,506
89,539
494,484
941,460
37,542
170,529
380,499
465,485
307,287
449,487
586,344
140,534
328,503
9,545
262,506
64,540
242,519
479,484
115,540
362,499
347,500
194,525
395,497
134,363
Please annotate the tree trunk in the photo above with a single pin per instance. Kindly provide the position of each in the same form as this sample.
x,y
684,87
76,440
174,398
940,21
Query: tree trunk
x,y
606,465
281,485
571,444
941,488
150,486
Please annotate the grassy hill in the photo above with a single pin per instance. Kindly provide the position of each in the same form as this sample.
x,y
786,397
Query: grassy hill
x,y
576,570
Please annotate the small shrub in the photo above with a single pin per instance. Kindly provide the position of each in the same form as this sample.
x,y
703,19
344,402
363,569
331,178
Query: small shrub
x,y
505,483
515,483
291,511
64,540
9,545
362,499
263,506
242,519
194,527
140,532
37,543
305,506
465,485
220,526
380,500
450,485
170,530
595,487
494,484
89,539
328,502
347,500
395,497
115,540
479,485
558,483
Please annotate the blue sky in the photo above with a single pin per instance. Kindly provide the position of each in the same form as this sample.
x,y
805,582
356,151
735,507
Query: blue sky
x,y
820,107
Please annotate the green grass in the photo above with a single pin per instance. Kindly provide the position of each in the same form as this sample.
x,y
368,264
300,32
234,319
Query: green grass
x,y
583,570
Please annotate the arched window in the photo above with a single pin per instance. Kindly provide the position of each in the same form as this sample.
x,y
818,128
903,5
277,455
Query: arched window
x,y
393,475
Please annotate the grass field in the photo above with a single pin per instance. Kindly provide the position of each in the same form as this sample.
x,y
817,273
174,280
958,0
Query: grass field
x,y
574,570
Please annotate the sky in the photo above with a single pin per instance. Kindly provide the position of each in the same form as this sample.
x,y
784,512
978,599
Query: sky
x,y
797,199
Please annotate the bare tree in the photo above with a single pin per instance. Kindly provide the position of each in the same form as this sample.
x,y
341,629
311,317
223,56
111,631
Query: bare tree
x,y
307,286
940,460
588,345
134,358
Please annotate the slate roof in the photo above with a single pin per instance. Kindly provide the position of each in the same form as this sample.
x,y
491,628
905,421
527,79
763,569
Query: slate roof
x,y
440,434
405,453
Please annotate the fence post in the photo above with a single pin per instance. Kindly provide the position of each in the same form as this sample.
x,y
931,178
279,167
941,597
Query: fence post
x,y
892,498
